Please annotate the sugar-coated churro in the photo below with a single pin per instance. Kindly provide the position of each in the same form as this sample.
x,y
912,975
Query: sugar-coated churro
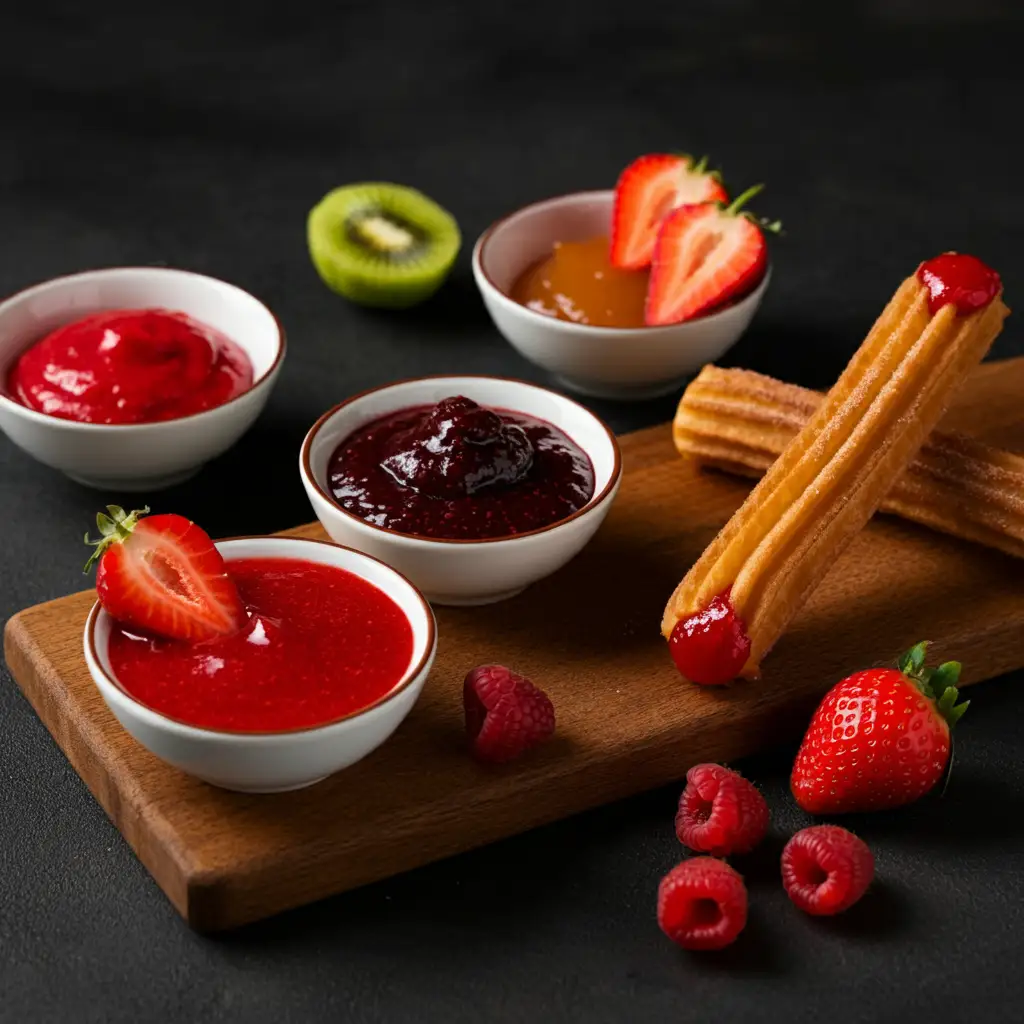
x,y
740,422
740,595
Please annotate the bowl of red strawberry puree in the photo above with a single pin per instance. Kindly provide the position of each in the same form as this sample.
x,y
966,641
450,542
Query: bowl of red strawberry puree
x,y
281,716
623,363
131,378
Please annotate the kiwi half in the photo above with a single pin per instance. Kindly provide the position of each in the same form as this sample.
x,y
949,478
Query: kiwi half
x,y
381,244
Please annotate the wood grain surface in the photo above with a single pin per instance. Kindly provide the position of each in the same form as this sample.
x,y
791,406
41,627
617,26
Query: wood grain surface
x,y
589,636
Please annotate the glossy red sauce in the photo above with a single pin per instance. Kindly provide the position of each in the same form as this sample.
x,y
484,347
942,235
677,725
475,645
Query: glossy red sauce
x,y
320,643
130,366
459,471
961,279
711,646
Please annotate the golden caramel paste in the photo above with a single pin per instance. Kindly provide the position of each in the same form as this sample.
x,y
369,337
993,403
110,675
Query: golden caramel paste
x,y
578,283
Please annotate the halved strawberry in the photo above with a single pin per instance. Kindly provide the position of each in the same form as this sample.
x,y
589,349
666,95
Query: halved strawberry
x,y
163,576
705,254
648,189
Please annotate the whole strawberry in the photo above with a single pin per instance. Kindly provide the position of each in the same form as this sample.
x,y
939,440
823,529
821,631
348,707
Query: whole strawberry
x,y
880,738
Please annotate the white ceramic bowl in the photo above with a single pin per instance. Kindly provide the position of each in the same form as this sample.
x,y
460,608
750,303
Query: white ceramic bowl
x,y
274,762
145,456
465,572
606,362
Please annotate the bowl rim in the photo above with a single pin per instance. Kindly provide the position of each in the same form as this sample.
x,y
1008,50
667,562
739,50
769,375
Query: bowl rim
x,y
480,273
412,674
41,417
598,498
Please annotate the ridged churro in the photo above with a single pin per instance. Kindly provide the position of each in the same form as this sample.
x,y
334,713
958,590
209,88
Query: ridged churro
x,y
738,598
740,422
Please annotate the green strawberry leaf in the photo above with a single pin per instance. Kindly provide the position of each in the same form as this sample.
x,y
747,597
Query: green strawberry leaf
x,y
938,684
948,707
911,663
113,528
946,676
741,200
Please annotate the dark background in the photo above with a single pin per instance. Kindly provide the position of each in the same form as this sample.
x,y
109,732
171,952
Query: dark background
x,y
885,132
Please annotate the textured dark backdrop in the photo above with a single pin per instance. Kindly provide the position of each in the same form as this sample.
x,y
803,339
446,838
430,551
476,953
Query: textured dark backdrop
x,y
886,132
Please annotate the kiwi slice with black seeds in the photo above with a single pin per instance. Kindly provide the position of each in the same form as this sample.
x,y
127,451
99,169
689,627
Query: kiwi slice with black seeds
x,y
381,244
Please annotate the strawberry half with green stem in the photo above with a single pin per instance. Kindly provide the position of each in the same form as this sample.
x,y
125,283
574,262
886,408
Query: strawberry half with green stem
x,y
163,576
880,738
648,189
705,255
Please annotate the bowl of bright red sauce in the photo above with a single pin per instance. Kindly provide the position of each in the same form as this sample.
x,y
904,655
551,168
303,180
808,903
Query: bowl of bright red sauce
x,y
131,378
472,487
334,653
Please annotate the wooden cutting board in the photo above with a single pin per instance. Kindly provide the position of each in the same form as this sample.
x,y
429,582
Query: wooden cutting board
x,y
589,636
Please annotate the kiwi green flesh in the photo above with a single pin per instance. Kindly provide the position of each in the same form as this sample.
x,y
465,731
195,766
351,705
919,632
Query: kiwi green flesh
x,y
381,244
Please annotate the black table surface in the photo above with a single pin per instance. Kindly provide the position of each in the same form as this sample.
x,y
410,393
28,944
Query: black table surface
x,y
199,138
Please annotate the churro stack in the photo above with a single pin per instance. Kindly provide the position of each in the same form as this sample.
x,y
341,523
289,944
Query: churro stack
x,y
837,470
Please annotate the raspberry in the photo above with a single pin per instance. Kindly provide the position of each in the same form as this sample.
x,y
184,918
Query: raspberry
x,y
702,904
720,812
826,869
505,713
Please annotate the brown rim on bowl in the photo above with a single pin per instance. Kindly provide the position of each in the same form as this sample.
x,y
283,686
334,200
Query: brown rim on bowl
x,y
596,500
263,377
410,675
478,260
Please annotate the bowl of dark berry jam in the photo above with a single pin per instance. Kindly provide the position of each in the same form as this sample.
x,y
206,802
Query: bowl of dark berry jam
x,y
333,653
131,378
473,487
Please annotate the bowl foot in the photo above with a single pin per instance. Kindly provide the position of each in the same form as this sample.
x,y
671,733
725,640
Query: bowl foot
x,y
235,788
621,392
472,602
141,485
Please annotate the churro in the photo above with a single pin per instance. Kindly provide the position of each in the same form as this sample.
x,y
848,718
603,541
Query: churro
x,y
740,422
740,595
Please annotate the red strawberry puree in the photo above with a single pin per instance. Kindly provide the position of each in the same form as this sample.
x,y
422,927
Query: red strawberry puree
x,y
960,279
711,646
320,644
130,366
